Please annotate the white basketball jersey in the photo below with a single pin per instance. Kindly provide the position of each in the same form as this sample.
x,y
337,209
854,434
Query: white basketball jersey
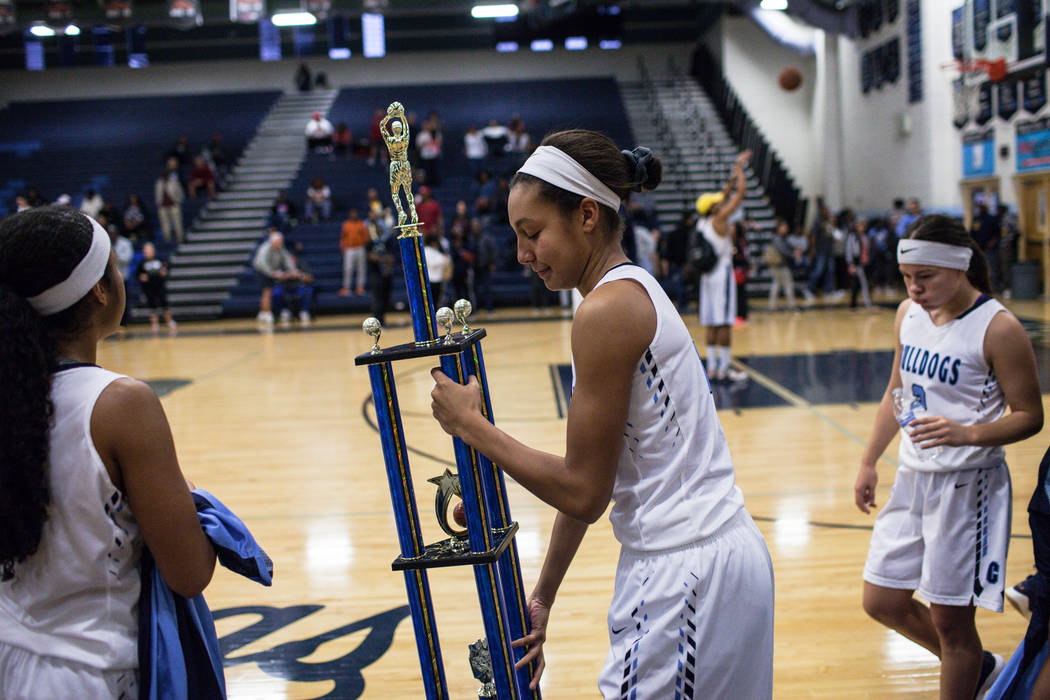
x,y
723,245
675,482
944,369
77,597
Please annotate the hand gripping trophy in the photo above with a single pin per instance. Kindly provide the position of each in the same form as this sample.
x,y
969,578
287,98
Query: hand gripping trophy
x,y
397,141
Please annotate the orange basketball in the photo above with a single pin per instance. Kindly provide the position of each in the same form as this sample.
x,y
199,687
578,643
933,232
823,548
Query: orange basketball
x,y
790,78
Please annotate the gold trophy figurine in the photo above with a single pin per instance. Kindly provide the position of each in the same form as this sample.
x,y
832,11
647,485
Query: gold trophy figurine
x,y
397,140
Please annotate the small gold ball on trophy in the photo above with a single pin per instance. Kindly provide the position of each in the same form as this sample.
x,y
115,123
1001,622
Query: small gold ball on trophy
x,y
463,309
374,328
445,317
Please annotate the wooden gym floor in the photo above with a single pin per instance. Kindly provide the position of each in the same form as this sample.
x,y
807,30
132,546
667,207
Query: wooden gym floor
x,y
277,424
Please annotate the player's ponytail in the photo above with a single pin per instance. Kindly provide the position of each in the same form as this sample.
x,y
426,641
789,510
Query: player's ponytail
x,y
38,249
945,229
623,172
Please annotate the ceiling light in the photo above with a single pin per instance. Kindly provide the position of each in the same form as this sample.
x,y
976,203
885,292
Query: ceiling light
x,y
72,30
774,4
293,19
41,30
490,11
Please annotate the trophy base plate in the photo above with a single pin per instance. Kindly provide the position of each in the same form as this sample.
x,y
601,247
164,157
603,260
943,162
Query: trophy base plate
x,y
457,343
444,553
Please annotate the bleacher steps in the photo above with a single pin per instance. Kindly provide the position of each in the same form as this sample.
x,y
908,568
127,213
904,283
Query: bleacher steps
x,y
222,240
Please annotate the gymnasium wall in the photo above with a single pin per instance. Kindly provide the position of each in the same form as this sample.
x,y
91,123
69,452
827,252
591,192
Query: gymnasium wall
x,y
752,60
252,75
893,148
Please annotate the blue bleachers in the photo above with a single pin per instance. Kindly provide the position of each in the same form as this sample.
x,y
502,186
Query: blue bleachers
x,y
544,106
116,145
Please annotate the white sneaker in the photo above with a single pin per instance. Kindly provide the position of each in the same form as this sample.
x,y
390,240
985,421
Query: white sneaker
x,y
304,317
286,316
718,376
735,375
985,682
265,317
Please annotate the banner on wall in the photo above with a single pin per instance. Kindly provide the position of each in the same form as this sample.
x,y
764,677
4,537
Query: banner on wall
x,y
1033,144
982,16
958,43
1033,90
978,154
1006,99
984,104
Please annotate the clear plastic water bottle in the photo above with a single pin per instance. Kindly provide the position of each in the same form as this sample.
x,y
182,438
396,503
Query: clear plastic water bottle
x,y
906,412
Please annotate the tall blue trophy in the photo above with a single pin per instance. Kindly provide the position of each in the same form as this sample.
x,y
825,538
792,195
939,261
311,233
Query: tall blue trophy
x,y
487,544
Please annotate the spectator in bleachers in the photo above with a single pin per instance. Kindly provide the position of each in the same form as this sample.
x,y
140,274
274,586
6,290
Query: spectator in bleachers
x,y
304,80
318,200
911,212
429,142
124,251
496,137
136,220
219,158
202,177
272,264
283,213
373,203
431,219
858,259
381,252
483,187
462,222
294,295
64,200
778,255
894,217
439,267
673,253
517,138
21,203
463,256
342,140
319,133
1009,236
474,149
499,201
821,254
377,146
353,239
152,274
112,214
168,197
91,204
180,152
987,232
883,252
486,257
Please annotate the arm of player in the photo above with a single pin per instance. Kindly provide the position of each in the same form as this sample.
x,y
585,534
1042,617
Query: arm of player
x,y
721,218
565,541
1009,352
156,489
612,329
885,427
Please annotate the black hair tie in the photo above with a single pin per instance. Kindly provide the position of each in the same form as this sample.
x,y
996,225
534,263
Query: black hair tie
x,y
641,157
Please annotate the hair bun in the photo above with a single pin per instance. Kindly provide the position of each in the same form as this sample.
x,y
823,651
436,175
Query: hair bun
x,y
646,169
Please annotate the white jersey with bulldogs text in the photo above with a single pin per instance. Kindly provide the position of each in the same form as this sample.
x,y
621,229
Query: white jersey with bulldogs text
x,y
944,369
674,482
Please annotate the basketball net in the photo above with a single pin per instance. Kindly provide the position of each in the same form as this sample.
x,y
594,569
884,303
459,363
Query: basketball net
x,y
966,88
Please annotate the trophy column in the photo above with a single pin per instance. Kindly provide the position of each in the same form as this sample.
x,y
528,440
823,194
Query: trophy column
x,y
487,544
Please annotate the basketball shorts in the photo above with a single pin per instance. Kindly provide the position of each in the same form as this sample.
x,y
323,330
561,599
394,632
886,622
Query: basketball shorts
x,y
28,676
718,297
945,535
695,621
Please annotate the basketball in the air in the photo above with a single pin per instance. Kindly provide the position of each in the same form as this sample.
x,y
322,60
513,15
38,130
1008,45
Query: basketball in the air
x,y
790,78
459,515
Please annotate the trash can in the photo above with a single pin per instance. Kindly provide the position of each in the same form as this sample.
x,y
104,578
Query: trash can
x,y
1024,283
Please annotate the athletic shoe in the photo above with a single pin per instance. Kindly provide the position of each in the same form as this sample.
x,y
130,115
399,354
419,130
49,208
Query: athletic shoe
x,y
1020,596
172,325
735,375
991,667
286,316
265,317
304,317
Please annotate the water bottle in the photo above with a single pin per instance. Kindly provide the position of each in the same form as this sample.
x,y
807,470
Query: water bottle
x,y
907,412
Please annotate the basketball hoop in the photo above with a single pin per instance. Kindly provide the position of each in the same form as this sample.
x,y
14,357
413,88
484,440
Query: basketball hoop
x,y
972,73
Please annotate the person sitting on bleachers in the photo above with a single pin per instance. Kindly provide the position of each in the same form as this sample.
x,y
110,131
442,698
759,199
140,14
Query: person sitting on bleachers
x,y
319,133
136,220
377,146
273,264
202,176
475,149
283,213
342,140
318,200
92,204
431,219
180,151
496,138
218,157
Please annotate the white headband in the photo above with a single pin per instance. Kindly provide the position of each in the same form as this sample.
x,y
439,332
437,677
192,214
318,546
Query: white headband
x,y
916,252
553,165
84,276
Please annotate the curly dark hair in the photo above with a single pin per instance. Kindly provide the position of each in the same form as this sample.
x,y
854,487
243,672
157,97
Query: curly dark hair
x,y
38,249
601,157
